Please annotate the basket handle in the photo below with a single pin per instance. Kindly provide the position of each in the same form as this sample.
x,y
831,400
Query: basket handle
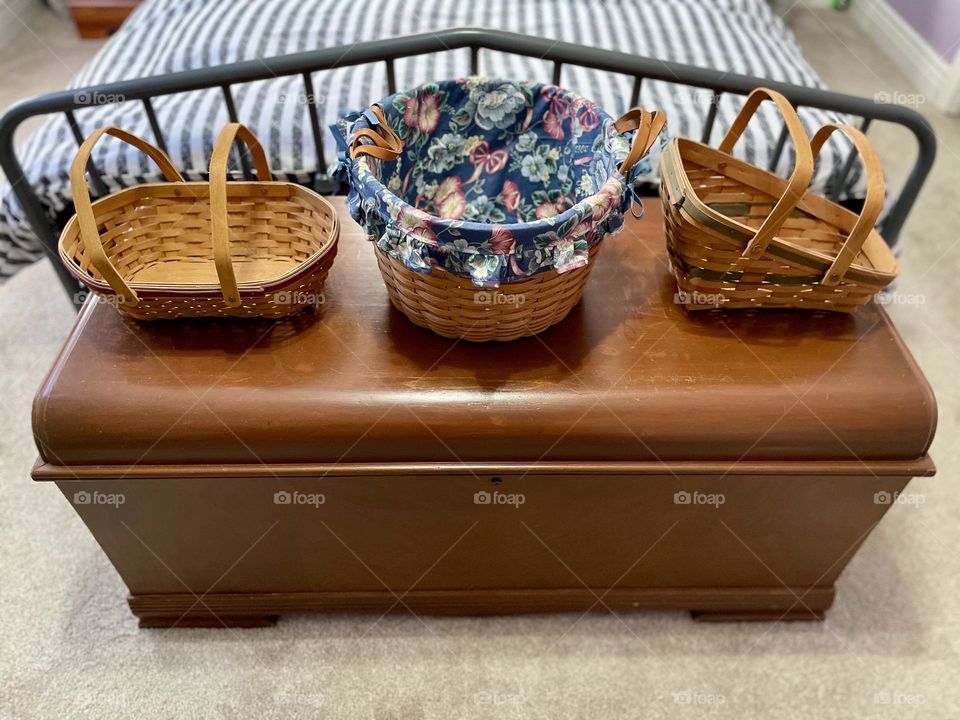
x,y
386,144
89,235
219,220
802,171
872,203
648,126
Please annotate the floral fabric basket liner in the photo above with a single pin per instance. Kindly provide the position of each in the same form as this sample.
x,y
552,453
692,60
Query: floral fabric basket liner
x,y
496,180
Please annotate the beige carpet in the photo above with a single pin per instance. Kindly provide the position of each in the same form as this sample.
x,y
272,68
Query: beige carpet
x,y
890,647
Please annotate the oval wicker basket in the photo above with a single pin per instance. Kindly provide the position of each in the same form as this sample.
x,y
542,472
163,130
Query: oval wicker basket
x,y
742,237
461,304
190,249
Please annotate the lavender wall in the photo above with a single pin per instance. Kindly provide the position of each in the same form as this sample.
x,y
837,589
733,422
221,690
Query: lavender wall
x,y
937,21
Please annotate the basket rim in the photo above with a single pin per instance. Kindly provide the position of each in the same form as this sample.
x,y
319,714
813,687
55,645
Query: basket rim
x,y
579,208
510,285
681,190
442,225
204,289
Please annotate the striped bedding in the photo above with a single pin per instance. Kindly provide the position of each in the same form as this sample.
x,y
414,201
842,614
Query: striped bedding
x,y
164,36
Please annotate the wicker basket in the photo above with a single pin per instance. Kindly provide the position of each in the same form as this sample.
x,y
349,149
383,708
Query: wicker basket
x,y
453,307
742,237
456,304
189,249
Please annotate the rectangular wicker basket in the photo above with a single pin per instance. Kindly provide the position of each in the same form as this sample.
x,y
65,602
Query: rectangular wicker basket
x,y
191,249
741,237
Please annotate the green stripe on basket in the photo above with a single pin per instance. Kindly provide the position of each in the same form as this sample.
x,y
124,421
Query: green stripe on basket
x,y
743,210
735,276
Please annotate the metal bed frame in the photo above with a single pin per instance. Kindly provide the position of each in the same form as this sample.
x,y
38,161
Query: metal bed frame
x,y
475,39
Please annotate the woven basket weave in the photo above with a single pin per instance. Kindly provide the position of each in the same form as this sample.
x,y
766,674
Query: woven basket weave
x,y
188,249
742,237
453,307
451,304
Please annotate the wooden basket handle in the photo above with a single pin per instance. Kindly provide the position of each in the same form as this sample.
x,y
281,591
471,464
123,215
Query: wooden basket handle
x,y
89,235
386,144
219,220
648,126
802,171
872,203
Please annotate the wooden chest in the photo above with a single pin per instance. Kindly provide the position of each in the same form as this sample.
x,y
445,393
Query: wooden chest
x,y
634,456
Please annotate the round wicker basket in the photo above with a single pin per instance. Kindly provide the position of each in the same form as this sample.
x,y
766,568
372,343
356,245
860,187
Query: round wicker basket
x,y
453,307
438,268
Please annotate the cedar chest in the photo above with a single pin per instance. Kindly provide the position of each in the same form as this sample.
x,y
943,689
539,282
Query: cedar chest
x,y
634,456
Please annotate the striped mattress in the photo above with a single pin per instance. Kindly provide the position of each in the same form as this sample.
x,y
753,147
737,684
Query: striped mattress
x,y
164,36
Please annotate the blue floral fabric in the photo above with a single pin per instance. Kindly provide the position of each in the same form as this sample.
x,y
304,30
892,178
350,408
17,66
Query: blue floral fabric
x,y
497,180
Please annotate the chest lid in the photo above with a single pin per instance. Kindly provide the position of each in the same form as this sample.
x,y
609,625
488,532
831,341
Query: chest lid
x,y
629,376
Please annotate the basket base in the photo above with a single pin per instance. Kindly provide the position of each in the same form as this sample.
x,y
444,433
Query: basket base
x,y
499,333
706,297
454,308
204,272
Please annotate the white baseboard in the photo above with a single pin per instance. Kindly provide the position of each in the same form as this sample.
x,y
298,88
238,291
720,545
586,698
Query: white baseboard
x,y
949,98
934,77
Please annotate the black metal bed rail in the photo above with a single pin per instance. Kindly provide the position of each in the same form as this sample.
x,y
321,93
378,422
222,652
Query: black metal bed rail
x,y
475,39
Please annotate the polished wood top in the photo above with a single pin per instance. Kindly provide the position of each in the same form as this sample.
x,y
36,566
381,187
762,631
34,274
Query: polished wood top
x,y
628,376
